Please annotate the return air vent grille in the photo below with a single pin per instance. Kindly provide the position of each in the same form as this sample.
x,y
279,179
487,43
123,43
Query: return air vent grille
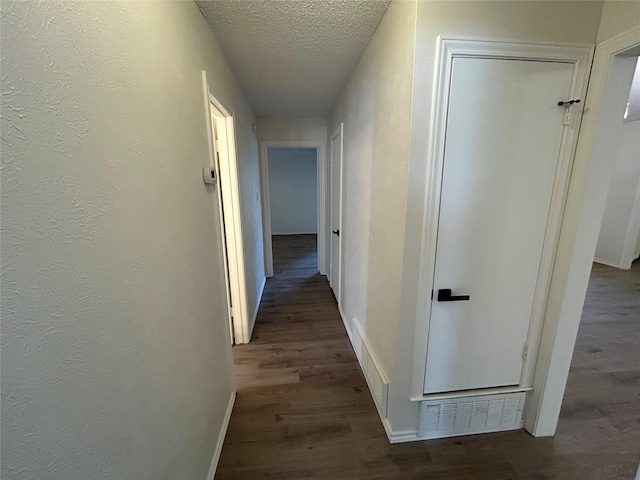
x,y
471,414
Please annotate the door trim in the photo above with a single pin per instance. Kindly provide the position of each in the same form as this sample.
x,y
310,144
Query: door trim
x,y
230,191
321,165
448,49
336,132
580,229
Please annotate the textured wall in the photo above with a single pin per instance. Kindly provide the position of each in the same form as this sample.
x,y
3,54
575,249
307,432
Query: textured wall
x,y
376,110
293,190
619,143
115,347
618,16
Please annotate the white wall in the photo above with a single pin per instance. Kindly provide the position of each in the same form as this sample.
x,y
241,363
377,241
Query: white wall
x,y
618,16
115,346
293,190
620,144
292,129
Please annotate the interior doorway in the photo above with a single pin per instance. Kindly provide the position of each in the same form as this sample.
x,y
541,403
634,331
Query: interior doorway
x,y
619,239
293,177
222,152
606,349
293,185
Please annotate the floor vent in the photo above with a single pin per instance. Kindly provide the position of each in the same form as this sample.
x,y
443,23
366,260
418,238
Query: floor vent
x,y
472,414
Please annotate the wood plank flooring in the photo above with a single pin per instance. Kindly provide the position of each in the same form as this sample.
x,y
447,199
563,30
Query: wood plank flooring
x,y
303,409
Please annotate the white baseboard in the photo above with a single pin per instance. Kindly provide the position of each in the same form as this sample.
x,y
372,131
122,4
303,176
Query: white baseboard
x,y
221,435
370,367
346,325
399,437
257,306
608,263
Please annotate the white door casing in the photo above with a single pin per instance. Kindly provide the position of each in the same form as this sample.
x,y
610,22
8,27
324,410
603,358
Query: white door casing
x,y
220,124
503,140
538,379
335,264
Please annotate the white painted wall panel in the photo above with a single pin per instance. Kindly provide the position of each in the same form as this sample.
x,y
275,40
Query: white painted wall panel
x,y
293,190
620,145
618,17
375,108
289,129
116,360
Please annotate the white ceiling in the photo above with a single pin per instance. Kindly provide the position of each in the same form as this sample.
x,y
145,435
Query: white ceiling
x,y
293,57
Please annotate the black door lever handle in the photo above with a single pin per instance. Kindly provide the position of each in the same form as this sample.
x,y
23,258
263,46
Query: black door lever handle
x,y
444,295
336,232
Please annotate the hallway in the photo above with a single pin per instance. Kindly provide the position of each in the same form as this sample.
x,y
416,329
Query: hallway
x,y
135,214
303,408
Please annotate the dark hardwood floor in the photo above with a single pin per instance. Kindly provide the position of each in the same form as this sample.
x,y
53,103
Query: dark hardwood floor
x,y
303,409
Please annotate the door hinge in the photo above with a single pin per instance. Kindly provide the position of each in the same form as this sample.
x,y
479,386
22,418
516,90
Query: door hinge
x,y
231,311
525,350
216,142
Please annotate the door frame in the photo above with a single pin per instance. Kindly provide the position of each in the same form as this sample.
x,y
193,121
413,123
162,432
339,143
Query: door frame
x,y
336,132
585,206
231,212
631,233
321,167
448,49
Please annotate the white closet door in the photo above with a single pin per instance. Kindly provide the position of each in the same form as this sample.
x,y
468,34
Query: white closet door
x,y
503,139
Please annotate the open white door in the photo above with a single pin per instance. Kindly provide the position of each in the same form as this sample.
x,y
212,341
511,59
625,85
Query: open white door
x,y
504,136
335,277
221,129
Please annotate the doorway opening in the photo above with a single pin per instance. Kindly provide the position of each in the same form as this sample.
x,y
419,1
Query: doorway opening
x,y
619,239
222,154
293,198
601,390
293,207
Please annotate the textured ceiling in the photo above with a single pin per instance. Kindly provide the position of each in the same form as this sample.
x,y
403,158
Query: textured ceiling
x,y
293,57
